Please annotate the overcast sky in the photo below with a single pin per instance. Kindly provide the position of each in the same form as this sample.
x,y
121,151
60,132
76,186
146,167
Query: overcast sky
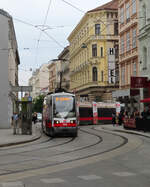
x,y
61,18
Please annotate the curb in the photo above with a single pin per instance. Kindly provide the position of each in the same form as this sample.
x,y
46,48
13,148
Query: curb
x,y
129,132
22,142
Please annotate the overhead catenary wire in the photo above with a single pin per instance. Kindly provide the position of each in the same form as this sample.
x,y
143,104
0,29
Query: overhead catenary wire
x,y
70,4
36,27
45,19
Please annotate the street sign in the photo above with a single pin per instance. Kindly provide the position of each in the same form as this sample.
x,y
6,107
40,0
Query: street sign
x,y
21,88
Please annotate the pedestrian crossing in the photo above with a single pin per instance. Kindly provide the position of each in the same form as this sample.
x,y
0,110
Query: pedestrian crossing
x,y
89,177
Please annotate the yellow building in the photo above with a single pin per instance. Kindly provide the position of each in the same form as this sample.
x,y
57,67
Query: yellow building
x,y
94,54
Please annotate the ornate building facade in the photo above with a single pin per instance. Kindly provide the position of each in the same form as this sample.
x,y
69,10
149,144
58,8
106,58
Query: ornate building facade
x,y
94,54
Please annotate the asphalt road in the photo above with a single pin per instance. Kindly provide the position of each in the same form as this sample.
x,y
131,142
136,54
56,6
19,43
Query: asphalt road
x,y
95,158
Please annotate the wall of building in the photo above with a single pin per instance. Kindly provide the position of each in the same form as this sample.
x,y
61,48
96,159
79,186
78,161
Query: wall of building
x,y
82,60
39,80
144,38
144,45
4,85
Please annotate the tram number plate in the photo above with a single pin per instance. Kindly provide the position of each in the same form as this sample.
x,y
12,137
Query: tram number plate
x,y
65,124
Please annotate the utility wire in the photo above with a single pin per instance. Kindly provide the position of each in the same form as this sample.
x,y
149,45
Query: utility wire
x,y
73,6
40,35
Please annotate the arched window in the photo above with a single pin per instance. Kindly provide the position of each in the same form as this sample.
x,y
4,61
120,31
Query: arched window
x,y
144,14
144,57
94,74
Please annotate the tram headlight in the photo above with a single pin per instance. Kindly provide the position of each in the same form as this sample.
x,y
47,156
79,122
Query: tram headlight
x,y
72,121
56,121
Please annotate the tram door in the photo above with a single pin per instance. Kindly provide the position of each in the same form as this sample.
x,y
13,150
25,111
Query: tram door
x,y
26,117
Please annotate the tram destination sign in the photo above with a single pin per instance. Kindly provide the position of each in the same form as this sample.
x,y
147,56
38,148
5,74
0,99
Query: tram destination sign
x,y
21,88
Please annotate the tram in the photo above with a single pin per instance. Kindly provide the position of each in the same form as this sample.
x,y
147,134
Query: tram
x,y
102,114
59,114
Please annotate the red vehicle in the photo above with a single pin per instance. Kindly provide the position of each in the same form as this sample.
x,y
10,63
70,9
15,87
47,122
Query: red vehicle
x,y
59,114
103,115
138,123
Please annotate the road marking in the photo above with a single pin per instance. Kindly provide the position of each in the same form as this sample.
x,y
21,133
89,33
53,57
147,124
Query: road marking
x,y
124,174
52,180
90,177
12,184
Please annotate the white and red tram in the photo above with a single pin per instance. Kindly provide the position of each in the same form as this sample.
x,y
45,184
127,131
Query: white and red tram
x,y
59,114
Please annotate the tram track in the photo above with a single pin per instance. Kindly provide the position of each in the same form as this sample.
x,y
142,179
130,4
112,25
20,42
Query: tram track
x,y
125,141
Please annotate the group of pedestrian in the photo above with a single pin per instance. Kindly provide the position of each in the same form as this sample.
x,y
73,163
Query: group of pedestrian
x,y
117,119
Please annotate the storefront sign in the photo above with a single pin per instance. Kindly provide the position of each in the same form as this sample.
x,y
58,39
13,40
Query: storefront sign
x,y
139,82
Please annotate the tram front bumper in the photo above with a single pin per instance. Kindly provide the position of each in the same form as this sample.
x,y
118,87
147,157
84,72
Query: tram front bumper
x,y
65,129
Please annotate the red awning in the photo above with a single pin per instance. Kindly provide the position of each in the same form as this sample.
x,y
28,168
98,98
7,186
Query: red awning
x,y
146,100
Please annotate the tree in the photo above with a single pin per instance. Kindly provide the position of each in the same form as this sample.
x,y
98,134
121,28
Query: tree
x,y
38,104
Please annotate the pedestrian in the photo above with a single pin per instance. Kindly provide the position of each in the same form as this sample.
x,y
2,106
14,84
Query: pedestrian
x,y
15,122
34,117
144,118
120,118
113,119
148,113
148,119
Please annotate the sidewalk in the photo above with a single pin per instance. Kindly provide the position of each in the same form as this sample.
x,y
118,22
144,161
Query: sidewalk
x,y
7,138
121,129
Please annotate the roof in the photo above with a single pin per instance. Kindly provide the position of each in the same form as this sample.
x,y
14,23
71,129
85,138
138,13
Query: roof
x,y
112,5
4,13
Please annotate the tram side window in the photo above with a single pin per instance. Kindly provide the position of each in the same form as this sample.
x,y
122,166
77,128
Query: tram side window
x,y
105,112
85,112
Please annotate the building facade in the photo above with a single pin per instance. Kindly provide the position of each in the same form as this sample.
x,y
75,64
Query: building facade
x,y
93,54
128,52
9,60
54,74
39,81
65,72
144,44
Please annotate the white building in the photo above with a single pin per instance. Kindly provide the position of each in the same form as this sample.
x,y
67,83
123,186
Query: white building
x,y
54,74
39,80
144,43
9,61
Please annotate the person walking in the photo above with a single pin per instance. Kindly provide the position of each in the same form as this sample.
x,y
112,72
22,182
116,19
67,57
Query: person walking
x,y
113,119
144,118
34,118
15,123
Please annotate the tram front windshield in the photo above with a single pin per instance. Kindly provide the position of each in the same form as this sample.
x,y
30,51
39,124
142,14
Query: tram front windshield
x,y
64,107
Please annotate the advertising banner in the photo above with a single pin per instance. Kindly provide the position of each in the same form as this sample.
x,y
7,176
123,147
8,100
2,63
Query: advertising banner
x,y
95,114
139,82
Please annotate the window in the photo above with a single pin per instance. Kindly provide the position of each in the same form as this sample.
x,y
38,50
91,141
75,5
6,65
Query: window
x,y
127,11
94,50
128,41
116,51
134,69
102,76
123,76
94,74
122,44
122,15
102,52
134,38
133,6
116,28
97,29
144,57
144,15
